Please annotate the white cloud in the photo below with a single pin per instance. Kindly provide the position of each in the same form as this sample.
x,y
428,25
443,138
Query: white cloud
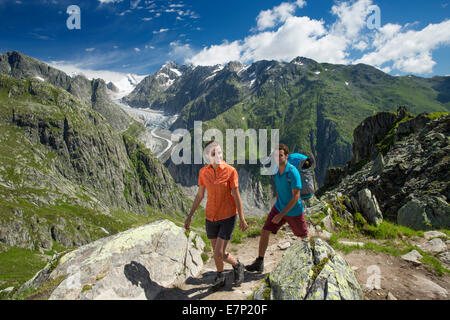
x,y
271,17
109,1
282,36
361,46
217,54
134,4
409,51
160,31
352,17
180,51
89,49
137,49
125,12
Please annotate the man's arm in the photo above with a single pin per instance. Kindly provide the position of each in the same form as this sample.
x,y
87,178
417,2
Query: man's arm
x,y
290,205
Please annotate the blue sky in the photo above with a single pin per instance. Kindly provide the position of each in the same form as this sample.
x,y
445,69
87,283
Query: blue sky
x,y
139,36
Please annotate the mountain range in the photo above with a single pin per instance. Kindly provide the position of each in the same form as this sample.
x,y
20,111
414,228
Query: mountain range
x,y
316,106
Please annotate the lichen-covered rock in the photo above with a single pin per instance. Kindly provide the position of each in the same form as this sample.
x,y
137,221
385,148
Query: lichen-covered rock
x,y
369,207
310,272
134,264
433,245
425,213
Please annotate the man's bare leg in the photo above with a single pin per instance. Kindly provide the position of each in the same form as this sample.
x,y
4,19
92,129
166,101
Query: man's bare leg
x,y
263,243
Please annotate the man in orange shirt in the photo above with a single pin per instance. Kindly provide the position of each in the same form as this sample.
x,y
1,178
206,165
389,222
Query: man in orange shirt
x,y
221,182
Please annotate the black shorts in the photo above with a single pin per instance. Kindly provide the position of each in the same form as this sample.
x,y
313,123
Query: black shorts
x,y
221,228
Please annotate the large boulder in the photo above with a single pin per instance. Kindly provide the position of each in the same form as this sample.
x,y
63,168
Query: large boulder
x,y
369,207
134,264
425,213
311,271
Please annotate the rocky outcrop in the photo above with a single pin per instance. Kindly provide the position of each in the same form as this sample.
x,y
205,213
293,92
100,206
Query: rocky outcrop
x,y
425,213
369,207
135,264
310,271
92,93
409,175
370,132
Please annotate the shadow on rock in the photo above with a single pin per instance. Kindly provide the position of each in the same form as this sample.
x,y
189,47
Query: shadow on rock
x,y
138,275
205,286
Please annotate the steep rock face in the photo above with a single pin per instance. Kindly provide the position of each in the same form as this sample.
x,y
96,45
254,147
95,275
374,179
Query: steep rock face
x,y
62,167
412,163
330,150
92,93
370,132
134,264
310,273
158,186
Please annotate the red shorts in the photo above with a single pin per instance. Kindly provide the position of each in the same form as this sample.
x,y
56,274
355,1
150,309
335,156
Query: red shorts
x,y
297,223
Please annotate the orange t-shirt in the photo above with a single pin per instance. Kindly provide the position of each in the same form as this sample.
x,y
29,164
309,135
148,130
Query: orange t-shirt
x,y
220,203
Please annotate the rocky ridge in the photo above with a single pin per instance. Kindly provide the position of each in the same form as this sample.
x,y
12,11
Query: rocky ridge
x,y
405,167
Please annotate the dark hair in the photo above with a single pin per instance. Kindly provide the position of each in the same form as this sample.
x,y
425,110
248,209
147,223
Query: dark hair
x,y
283,147
209,142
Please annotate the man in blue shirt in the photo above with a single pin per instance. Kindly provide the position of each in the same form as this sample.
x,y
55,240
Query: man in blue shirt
x,y
288,207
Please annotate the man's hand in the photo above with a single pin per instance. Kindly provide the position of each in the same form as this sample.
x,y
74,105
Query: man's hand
x,y
277,219
187,223
243,225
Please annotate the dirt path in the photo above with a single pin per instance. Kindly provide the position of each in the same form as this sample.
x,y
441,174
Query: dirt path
x,y
199,288
403,279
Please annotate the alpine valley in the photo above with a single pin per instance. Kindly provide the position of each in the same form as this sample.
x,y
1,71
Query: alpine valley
x,y
83,175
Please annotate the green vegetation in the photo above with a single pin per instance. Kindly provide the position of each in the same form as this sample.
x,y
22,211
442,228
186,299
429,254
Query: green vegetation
x,y
135,129
267,291
437,115
254,229
385,144
19,265
86,288
391,239
43,292
319,267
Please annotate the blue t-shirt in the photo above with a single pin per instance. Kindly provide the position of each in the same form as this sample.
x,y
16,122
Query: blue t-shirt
x,y
290,179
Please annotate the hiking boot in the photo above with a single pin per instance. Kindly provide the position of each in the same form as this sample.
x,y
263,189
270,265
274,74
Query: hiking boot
x,y
238,273
219,281
257,265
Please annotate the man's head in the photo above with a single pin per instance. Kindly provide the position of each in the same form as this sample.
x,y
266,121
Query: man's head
x,y
281,154
213,152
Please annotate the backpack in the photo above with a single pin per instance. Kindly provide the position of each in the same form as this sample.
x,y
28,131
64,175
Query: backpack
x,y
304,165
